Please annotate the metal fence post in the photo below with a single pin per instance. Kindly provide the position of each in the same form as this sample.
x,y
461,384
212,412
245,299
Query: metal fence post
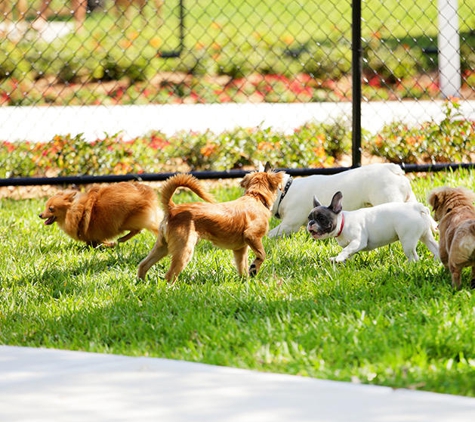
x,y
356,83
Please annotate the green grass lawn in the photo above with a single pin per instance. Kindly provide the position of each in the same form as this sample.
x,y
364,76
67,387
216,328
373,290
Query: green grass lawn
x,y
279,18
291,22
375,319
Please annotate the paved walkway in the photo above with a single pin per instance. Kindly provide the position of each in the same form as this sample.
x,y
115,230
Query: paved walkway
x,y
43,123
49,32
44,385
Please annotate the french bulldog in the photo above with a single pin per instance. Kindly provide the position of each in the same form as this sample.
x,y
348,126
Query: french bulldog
x,y
370,228
365,186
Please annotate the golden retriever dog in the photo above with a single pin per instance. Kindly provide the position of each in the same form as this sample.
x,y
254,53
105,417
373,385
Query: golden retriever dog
x,y
236,225
454,210
102,213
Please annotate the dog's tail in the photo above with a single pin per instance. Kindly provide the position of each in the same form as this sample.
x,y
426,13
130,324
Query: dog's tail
x,y
185,181
426,214
403,182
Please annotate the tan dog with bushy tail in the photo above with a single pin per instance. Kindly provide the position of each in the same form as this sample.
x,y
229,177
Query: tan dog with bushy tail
x,y
236,225
454,210
104,212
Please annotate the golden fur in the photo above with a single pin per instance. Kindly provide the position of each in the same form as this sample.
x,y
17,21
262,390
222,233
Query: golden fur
x,y
234,225
454,210
104,212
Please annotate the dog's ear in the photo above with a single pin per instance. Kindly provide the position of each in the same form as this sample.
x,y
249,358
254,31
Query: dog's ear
x,y
275,180
469,194
68,195
281,178
433,199
245,181
436,200
316,202
260,167
267,167
335,205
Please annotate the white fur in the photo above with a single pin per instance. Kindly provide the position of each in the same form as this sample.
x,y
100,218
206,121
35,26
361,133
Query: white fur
x,y
365,186
370,228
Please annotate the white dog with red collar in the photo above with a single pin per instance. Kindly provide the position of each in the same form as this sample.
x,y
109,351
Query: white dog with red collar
x,y
370,228
365,186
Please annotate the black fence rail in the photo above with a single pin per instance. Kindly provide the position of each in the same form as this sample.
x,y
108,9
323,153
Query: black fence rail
x,y
110,53
208,175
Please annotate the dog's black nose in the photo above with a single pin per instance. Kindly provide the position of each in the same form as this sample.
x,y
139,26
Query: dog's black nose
x,y
40,215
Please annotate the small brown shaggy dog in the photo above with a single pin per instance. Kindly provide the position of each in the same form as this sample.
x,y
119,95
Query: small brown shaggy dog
x,y
234,225
104,212
454,210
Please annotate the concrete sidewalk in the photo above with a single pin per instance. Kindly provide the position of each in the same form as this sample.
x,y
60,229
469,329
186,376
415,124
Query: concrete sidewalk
x,y
44,385
41,124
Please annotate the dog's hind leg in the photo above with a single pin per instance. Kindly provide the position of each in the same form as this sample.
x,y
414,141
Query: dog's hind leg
x,y
159,250
460,256
240,258
456,276
181,251
409,247
128,236
179,262
258,249
428,240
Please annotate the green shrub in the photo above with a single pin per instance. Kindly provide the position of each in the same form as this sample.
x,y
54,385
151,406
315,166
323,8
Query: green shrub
x,y
13,63
393,63
451,140
311,145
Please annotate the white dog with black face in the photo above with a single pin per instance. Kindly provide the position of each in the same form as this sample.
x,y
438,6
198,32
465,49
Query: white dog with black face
x,y
365,186
370,228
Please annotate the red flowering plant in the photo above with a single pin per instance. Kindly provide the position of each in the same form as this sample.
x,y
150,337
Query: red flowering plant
x,y
313,145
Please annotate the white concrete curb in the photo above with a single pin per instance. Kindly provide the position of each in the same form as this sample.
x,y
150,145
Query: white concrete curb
x,y
41,124
45,385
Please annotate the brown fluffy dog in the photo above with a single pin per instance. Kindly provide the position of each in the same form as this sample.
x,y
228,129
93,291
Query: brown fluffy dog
x,y
234,225
453,208
104,212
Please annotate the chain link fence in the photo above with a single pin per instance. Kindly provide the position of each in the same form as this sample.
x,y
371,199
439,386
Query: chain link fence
x,y
215,51
210,52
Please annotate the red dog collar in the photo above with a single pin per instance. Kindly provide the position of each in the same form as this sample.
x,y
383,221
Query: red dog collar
x,y
342,224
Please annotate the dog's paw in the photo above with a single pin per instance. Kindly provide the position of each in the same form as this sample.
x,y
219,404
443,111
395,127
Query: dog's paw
x,y
337,259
